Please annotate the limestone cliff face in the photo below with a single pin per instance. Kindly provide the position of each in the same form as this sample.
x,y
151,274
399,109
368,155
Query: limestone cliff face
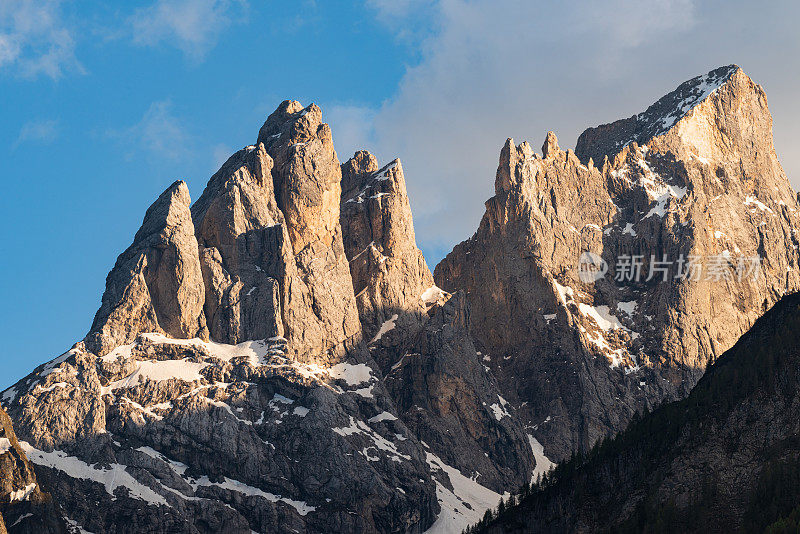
x,y
156,284
388,270
24,506
272,253
725,459
693,178
243,247
249,400
277,357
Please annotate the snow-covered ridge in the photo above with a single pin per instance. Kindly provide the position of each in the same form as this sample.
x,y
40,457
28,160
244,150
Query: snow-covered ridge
x,y
659,118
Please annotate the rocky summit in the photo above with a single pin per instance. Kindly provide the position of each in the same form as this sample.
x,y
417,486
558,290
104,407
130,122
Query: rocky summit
x,y
686,227
236,375
278,357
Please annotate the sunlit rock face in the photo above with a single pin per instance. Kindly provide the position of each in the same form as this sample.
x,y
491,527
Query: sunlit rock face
x,y
229,382
24,506
277,357
676,203
156,284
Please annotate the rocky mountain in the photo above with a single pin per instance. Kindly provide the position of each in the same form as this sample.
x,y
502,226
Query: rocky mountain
x,y
725,459
24,507
419,334
235,378
602,282
278,357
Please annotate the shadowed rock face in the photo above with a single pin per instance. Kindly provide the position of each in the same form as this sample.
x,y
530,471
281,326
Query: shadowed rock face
x,y
696,176
419,334
156,284
24,507
725,459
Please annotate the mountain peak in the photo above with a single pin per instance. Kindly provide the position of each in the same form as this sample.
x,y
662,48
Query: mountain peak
x,y
656,120
550,145
156,284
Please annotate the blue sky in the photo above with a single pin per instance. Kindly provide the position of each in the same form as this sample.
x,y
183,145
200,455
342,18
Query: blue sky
x,y
103,107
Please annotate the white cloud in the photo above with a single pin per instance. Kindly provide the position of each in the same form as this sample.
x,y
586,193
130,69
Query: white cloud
x,y
192,26
491,70
159,133
43,131
351,125
35,40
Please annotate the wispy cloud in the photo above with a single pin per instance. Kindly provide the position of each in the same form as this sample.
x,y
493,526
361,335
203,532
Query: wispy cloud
x,y
192,26
352,126
219,155
43,131
159,134
490,70
35,40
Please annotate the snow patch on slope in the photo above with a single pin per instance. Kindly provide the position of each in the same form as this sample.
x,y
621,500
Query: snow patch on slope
x,y
455,516
543,463
387,326
77,468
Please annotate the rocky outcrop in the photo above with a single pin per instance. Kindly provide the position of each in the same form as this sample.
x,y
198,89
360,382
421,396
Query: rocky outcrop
x,y
176,435
244,249
452,402
725,459
277,419
24,507
307,179
419,335
389,272
277,358
156,284
687,204
272,253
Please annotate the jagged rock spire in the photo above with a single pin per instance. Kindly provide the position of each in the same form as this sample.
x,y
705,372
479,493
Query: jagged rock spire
x,y
696,175
271,243
550,145
156,284
389,272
